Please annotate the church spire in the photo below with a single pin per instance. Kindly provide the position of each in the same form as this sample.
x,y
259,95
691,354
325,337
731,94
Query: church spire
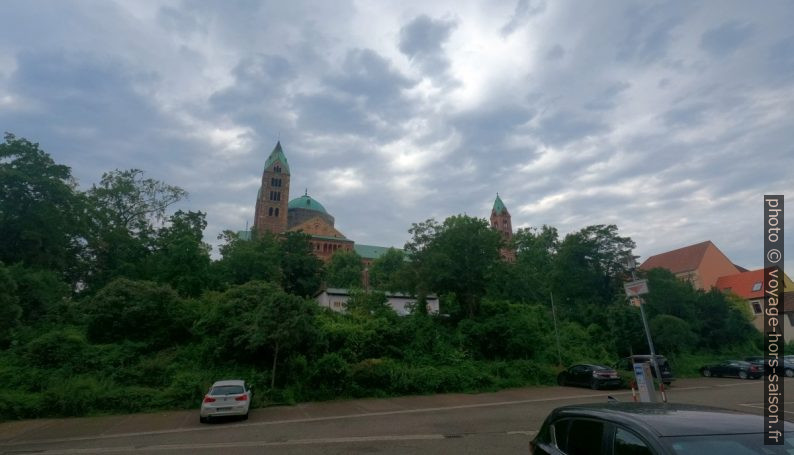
x,y
278,155
502,223
498,205
270,214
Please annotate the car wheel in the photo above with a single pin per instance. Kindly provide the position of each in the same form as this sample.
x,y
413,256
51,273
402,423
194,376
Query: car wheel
x,y
561,381
203,419
245,416
706,372
594,385
742,375
789,373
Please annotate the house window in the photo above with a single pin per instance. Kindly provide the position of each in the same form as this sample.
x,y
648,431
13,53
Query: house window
x,y
270,211
757,307
277,169
276,211
757,286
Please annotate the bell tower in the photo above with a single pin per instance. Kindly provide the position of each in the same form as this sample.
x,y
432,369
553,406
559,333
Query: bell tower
x,y
501,222
271,202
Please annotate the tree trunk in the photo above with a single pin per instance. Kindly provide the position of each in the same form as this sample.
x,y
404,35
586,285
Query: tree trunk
x,y
273,371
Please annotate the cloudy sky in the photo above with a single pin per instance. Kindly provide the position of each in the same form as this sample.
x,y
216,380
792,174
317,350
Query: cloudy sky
x,y
669,120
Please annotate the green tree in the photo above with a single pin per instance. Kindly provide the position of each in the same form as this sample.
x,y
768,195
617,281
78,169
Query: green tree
x,y
535,253
10,311
670,295
344,270
507,331
589,270
123,210
386,271
301,269
181,258
40,222
458,256
259,318
671,334
625,325
244,260
39,292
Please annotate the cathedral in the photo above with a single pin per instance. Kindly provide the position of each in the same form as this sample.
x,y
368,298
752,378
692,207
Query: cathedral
x,y
276,213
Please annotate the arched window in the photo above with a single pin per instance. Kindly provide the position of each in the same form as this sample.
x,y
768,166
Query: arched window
x,y
276,211
270,211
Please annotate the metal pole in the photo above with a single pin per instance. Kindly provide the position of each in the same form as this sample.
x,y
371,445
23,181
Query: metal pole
x,y
654,364
650,343
556,332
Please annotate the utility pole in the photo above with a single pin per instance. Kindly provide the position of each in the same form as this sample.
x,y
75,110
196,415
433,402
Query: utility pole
x,y
556,332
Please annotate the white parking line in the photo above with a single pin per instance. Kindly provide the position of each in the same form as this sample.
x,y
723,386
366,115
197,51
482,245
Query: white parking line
x,y
761,406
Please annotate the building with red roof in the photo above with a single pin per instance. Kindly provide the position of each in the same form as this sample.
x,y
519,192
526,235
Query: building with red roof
x,y
702,264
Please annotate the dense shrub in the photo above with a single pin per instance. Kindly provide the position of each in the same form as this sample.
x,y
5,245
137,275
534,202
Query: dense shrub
x,y
58,349
139,311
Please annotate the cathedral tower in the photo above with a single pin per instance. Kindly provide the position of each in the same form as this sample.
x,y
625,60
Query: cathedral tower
x,y
271,202
500,221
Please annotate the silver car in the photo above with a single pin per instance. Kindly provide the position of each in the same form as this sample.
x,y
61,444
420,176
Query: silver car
x,y
226,398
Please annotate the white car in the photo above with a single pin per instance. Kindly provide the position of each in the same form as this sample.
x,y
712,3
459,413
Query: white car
x,y
226,398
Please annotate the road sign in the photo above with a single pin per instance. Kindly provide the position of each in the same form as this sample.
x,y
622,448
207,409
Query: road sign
x,y
644,379
636,288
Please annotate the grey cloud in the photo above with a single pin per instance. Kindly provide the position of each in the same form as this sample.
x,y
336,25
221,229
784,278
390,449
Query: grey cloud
x,y
649,33
483,134
258,95
524,10
689,116
726,38
565,126
363,97
781,58
179,21
607,99
422,41
329,113
555,53
370,76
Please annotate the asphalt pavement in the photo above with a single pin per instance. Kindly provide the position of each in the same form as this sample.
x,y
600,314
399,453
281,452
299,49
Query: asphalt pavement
x,y
499,422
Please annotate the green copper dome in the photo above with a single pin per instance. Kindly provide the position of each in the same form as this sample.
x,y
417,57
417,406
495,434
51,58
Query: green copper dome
x,y
306,202
498,205
278,155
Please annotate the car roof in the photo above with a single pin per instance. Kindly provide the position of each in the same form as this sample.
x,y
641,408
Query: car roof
x,y
239,382
645,356
666,419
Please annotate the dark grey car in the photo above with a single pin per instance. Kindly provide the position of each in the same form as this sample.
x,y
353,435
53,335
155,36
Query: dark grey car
x,y
653,429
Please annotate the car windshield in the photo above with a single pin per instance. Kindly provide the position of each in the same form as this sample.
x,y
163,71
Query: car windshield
x,y
732,444
227,390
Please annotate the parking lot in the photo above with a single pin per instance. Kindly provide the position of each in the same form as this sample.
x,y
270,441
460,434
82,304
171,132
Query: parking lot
x,y
500,422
